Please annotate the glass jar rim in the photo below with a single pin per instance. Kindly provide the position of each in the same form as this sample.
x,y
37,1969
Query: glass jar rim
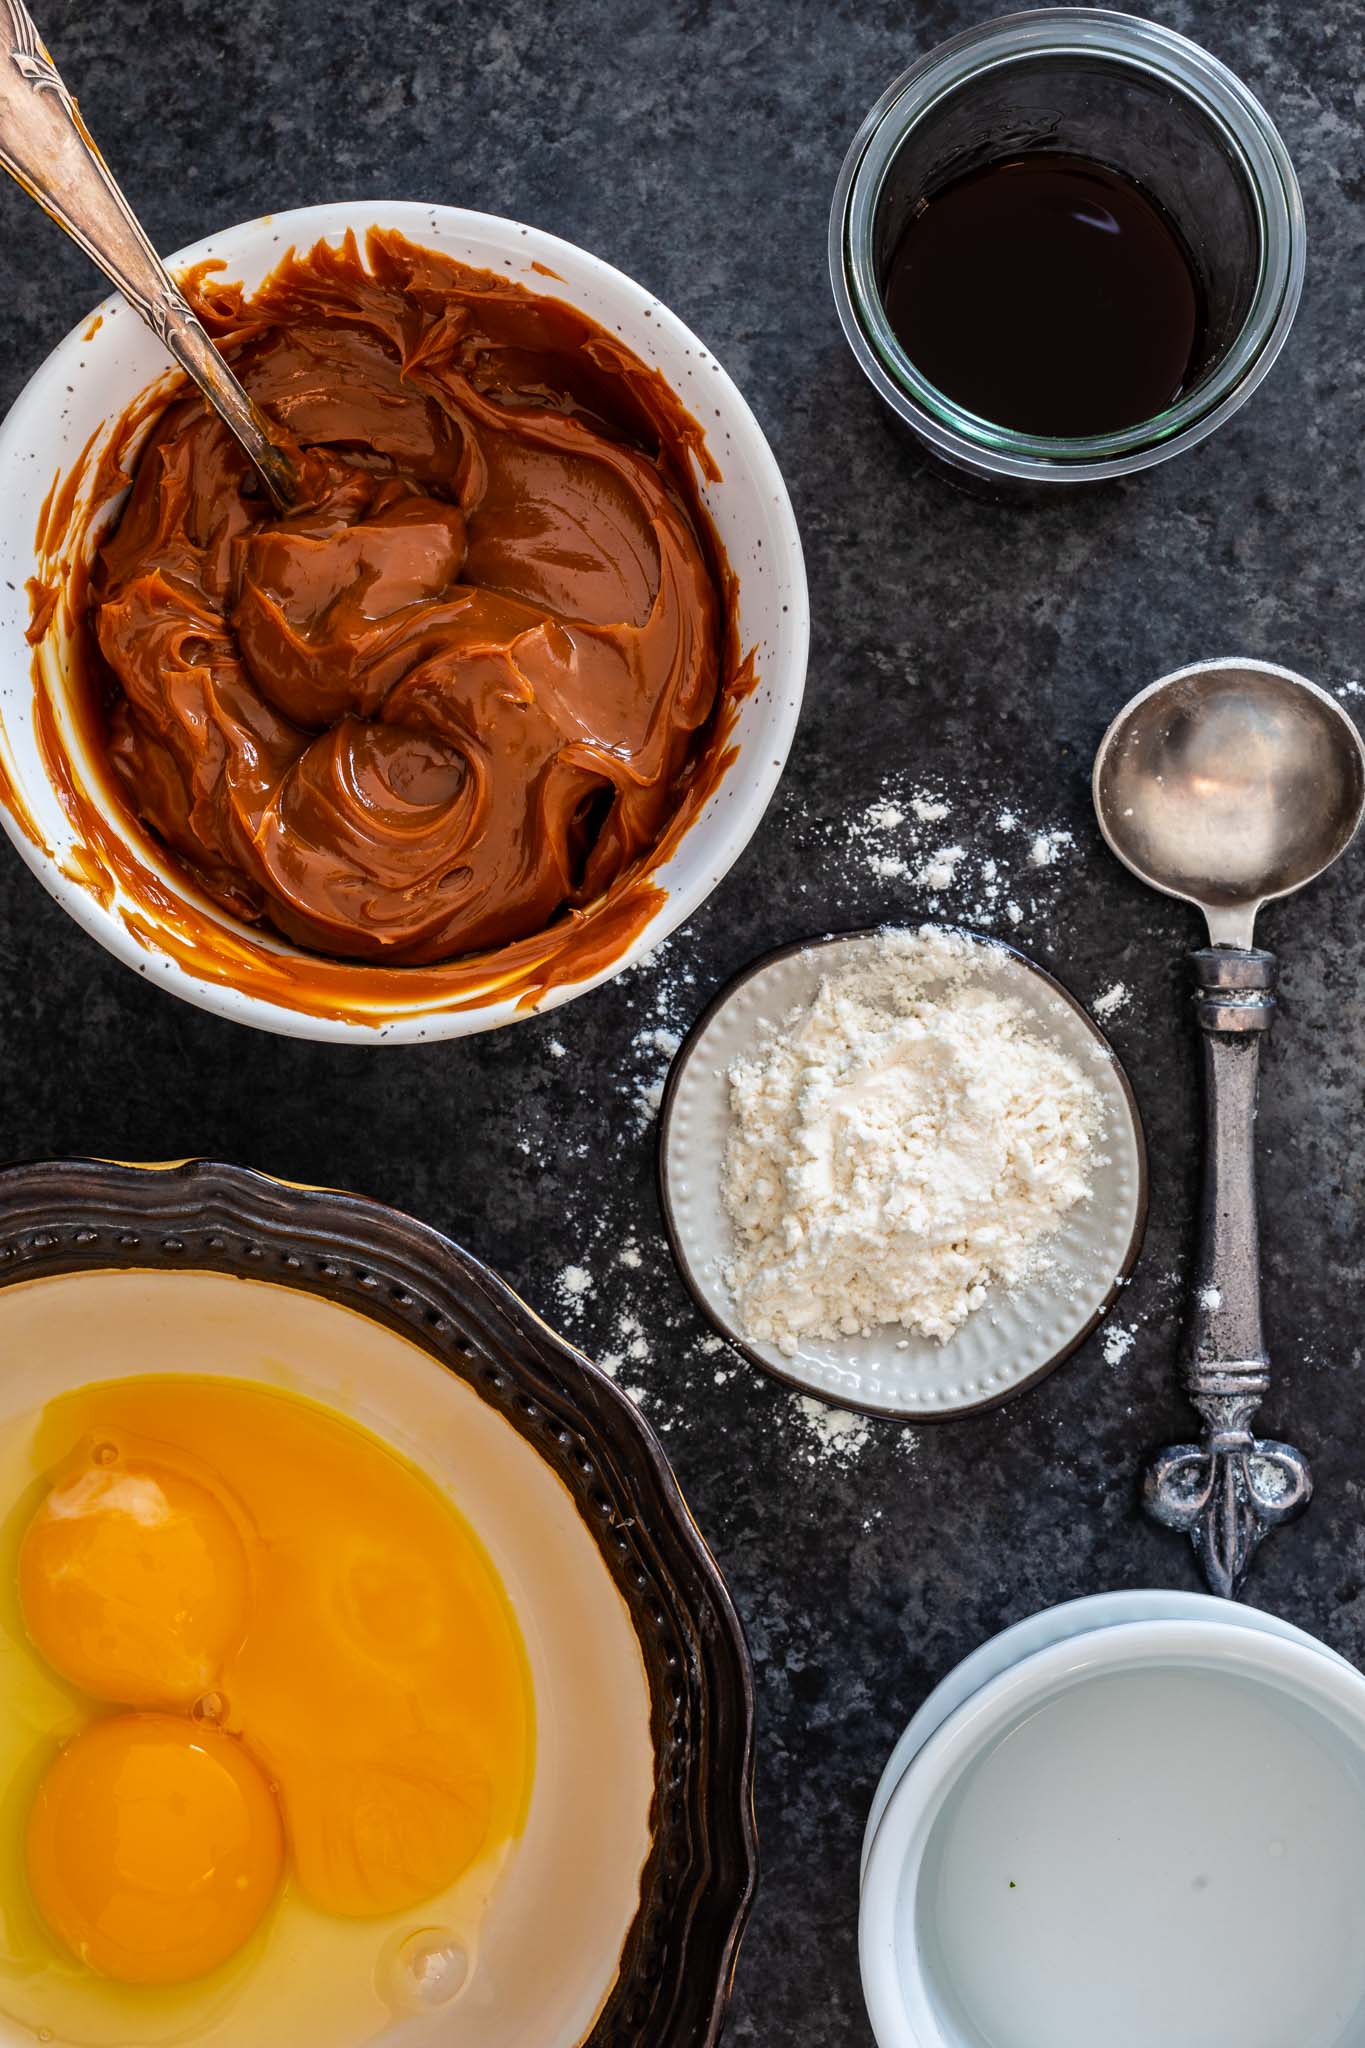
x,y
1128,42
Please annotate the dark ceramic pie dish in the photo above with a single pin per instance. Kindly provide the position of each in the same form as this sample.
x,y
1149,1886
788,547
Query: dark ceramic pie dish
x,y
87,1217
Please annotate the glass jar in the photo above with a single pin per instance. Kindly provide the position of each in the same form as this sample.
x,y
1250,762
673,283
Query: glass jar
x,y
1129,94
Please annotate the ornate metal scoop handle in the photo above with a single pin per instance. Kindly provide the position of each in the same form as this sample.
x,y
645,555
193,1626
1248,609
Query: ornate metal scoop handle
x,y
1227,1491
47,147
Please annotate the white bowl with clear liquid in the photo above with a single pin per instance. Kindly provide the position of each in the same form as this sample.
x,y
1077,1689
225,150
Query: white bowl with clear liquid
x,y
1070,1618
1153,1833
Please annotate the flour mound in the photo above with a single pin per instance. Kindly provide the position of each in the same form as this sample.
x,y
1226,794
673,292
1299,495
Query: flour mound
x,y
899,1145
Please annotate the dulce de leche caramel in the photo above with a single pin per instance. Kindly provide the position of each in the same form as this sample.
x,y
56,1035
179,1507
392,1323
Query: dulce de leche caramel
x,y
467,689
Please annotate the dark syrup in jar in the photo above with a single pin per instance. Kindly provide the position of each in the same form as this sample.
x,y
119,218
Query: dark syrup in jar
x,y
1049,294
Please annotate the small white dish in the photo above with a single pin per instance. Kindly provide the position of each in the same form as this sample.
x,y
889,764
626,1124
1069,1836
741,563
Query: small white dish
x,y
66,416
1153,1832
1015,1338
1061,1624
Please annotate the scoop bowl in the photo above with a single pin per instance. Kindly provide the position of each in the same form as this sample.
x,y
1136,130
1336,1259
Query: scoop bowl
x,y
1228,784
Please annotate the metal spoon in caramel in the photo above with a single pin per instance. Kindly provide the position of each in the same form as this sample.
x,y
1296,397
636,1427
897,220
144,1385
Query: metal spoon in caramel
x,y
47,148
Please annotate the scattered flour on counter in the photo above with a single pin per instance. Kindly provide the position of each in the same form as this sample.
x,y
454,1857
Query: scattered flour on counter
x,y
836,1436
664,998
939,869
996,868
897,1146
573,1283
837,1432
662,1045
1118,1342
1115,998
1047,848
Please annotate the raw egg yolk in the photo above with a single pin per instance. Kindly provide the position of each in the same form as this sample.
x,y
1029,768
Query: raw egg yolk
x,y
154,1848
354,1690
134,1584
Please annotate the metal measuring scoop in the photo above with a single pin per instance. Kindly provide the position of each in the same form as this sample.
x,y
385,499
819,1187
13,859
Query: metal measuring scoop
x,y
46,146
1228,784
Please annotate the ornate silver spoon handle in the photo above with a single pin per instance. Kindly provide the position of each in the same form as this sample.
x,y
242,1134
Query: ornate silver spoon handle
x,y
1231,1488
47,147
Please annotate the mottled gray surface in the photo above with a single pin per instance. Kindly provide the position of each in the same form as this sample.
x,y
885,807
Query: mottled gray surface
x,y
979,648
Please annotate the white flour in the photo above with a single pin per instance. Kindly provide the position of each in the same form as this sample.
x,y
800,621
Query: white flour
x,y
573,1283
897,1146
837,1432
1048,847
1113,999
1118,1341
990,867
866,855
939,870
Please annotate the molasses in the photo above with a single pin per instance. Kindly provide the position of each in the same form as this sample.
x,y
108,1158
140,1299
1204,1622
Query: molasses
x,y
1048,294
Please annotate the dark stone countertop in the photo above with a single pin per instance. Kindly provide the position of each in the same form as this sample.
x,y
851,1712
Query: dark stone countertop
x,y
980,649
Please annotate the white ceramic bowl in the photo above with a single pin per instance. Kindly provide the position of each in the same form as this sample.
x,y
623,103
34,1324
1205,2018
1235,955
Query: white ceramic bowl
x,y
89,380
1153,1832
1070,1618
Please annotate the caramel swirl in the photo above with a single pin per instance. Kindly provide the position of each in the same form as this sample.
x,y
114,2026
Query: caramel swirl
x,y
461,692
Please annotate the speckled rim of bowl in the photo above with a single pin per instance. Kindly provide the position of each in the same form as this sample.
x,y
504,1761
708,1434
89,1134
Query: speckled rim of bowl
x,y
697,1887
1325,1684
731,1332
979,446
773,599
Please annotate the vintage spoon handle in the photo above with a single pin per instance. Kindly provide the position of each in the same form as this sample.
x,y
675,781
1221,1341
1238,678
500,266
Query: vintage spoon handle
x,y
1231,1488
47,147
